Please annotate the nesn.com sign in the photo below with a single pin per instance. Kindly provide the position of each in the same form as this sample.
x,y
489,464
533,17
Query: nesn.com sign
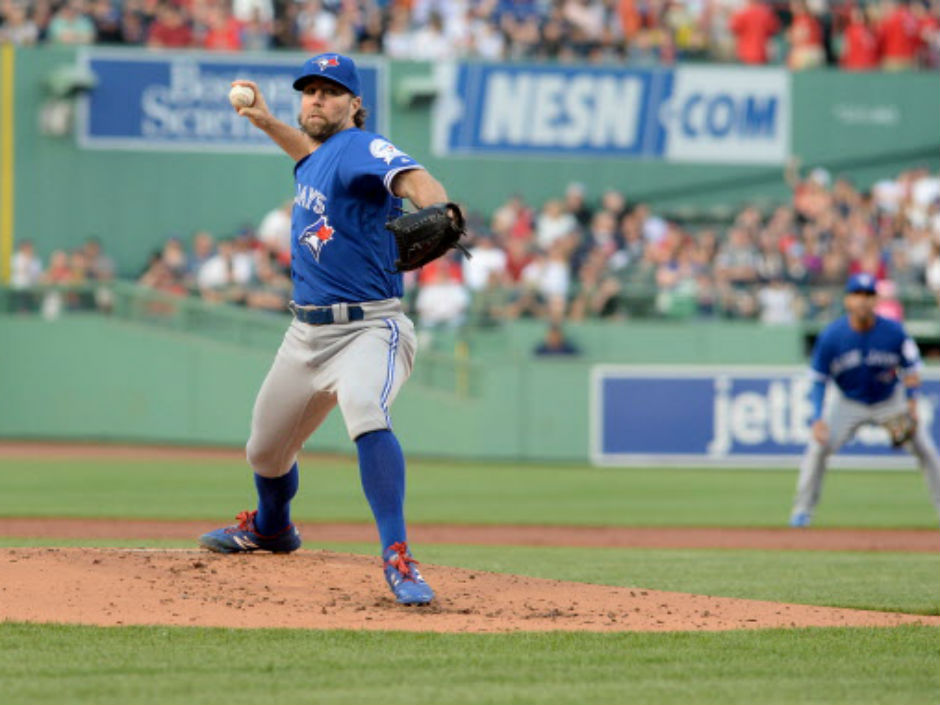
x,y
713,114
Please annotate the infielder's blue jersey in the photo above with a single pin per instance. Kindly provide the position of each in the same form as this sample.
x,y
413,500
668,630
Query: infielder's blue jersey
x,y
864,365
340,249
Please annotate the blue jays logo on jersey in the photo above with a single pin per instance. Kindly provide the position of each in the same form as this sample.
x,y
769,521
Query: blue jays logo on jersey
x,y
316,236
386,151
326,62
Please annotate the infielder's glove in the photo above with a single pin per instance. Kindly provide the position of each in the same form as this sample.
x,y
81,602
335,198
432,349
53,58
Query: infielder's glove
x,y
901,428
427,234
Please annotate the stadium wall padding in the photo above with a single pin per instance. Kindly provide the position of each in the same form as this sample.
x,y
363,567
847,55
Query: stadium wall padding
x,y
866,126
88,377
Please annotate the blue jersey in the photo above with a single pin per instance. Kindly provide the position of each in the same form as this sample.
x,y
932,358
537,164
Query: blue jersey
x,y
340,249
864,365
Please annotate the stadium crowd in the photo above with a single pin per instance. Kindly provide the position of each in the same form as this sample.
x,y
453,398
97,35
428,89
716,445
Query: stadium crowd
x,y
581,256
890,34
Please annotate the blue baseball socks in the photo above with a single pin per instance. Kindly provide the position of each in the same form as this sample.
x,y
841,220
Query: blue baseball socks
x,y
274,496
382,471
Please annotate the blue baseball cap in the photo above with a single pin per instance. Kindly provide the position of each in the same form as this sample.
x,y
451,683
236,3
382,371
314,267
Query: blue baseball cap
x,y
333,67
860,284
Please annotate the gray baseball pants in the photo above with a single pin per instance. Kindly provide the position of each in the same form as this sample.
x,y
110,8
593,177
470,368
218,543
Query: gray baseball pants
x,y
360,365
844,418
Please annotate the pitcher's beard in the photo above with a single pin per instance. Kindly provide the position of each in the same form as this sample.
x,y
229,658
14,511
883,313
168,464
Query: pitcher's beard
x,y
321,131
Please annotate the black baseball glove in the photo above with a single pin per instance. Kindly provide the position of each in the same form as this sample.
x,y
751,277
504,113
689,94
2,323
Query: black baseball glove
x,y
427,234
901,428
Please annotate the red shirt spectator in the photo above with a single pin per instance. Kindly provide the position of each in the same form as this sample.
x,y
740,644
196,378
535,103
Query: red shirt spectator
x,y
169,30
753,25
860,52
223,32
928,29
898,38
806,39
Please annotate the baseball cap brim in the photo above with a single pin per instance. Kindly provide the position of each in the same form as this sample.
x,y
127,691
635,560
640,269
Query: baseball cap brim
x,y
302,81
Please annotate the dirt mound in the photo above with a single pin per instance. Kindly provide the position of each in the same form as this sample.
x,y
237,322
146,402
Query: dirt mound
x,y
325,590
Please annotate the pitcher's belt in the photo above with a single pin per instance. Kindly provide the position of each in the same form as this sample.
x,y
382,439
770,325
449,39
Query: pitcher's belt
x,y
345,312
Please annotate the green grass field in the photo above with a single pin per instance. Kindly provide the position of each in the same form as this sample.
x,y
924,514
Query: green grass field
x,y
466,493
57,664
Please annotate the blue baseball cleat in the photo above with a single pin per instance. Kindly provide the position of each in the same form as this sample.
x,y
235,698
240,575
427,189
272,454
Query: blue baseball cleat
x,y
799,520
401,573
242,538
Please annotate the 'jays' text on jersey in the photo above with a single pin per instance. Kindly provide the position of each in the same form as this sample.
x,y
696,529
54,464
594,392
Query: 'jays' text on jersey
x,y
340,249
864,365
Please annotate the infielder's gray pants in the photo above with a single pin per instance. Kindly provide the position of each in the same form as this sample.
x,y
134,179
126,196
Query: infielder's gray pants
x,y
844,418
360,365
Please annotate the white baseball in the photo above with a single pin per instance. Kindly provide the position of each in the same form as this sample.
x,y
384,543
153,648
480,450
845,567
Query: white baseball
x,y
241,97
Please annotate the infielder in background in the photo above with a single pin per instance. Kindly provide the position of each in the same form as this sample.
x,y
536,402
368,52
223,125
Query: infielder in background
x,y
876,370
349,343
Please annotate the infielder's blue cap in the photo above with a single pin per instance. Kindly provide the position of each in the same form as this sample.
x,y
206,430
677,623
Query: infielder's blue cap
x,y
860,284
333,67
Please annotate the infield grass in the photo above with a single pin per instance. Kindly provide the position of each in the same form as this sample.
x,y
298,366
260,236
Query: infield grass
x,y
71,664
464,493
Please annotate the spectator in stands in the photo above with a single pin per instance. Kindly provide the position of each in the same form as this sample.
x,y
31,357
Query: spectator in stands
x,y
170,29
576,203
932,271
442,303
107,20
203,251
888,305
779,303
133,26
430,43
556,344
596,290
860,45
25,267
175,259
99,266
805,37
753,26
272,290
25,274
485,259
397,39
59,271
160,277
222,31
547,280
225,276
898,36
70,25
17,27
553,222
928,26
736,261
274,232
251,10
257,34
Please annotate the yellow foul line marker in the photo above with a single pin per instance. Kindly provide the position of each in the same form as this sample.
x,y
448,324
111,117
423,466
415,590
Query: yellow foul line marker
x,y
7,56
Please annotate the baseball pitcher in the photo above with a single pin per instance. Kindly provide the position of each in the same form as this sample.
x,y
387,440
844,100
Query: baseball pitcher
x,y
349,343
876,370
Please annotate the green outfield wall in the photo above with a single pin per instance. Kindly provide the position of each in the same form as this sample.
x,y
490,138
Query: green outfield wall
x,y
86,376
867,126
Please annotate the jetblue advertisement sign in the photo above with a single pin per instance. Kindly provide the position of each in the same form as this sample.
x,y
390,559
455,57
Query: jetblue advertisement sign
x,y
757,417
178,101
707,114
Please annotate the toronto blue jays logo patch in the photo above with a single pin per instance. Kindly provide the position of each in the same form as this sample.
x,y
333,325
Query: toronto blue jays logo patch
x,y
326,62
386,151
316,236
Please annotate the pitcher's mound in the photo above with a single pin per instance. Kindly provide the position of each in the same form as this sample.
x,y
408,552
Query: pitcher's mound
x,y
325,590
